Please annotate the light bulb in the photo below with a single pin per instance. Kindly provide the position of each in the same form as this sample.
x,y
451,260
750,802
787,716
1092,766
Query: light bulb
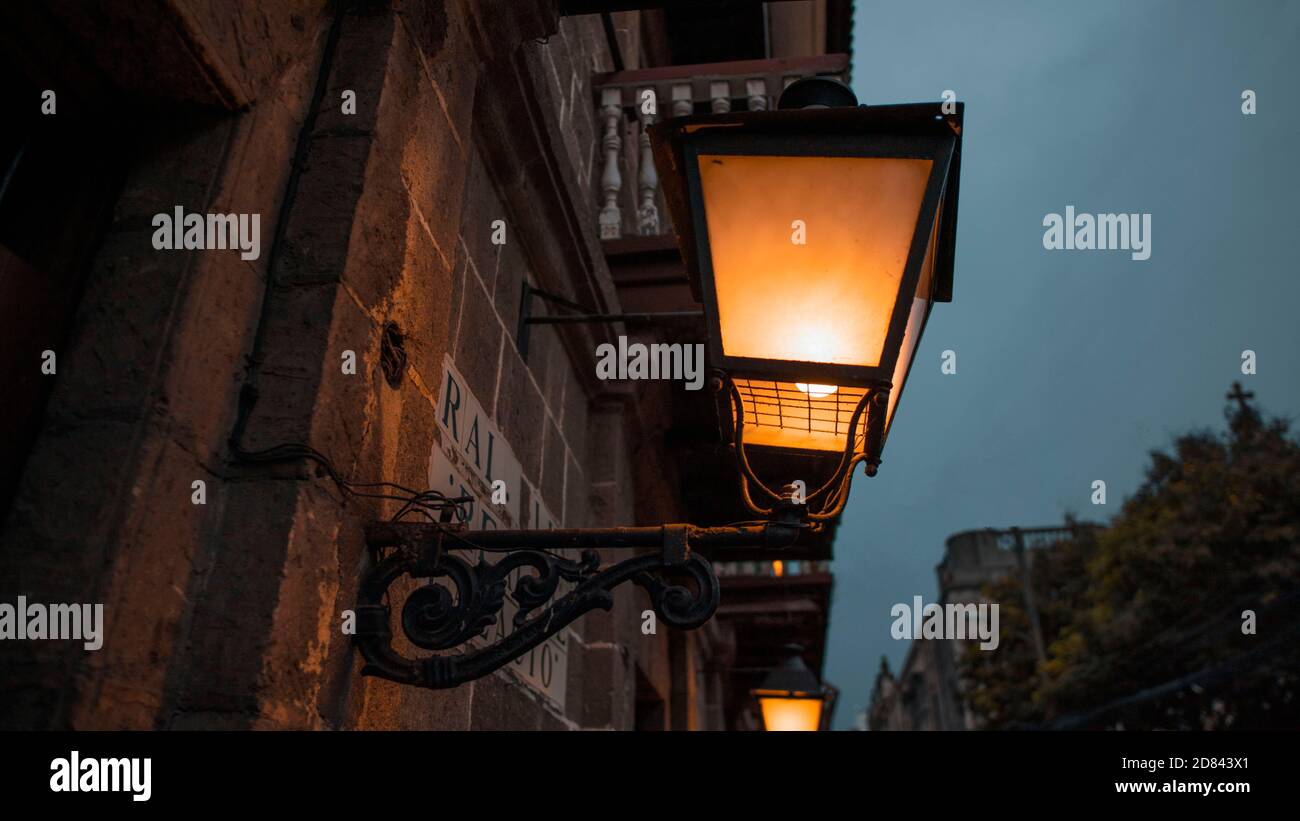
x,y
816,391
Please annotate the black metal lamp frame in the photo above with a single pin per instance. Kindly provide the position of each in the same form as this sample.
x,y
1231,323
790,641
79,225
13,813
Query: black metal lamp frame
x,y
914,131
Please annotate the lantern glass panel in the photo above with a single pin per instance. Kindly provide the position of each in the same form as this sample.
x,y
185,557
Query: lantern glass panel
x,y
829,298
916,317
798,415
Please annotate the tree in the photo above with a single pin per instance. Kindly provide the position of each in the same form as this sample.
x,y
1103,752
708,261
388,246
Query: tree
x,y
1144,620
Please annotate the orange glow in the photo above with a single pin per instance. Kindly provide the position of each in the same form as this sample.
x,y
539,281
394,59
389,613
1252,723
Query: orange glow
x,y
791,415
816,391
828,298
778,568
783,713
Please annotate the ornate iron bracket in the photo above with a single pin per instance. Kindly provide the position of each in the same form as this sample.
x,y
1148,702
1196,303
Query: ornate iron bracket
x,y
461,599
827,501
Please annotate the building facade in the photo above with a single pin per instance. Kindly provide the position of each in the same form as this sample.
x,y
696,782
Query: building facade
x,y
400,175
926,694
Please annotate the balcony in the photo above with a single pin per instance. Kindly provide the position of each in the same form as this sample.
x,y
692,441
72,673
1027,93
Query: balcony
x,y
627,102
777,569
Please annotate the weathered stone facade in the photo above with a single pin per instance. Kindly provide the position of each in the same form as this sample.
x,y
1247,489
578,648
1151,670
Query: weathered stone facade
x,y
227,614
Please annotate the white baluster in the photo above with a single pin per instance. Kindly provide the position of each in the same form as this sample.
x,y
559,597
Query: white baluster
x,y
683,99
611,181
647,177
756,93
720,94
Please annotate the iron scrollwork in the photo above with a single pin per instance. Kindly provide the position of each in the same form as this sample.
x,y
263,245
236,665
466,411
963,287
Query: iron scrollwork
x,y
461,599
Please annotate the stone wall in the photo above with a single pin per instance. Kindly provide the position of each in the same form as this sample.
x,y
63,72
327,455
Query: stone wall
x,y
227,614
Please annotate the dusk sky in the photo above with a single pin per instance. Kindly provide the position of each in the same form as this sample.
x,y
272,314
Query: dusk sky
x,y
1072,365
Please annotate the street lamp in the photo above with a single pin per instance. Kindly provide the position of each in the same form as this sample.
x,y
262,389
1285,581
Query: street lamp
x,y
791,697
817,237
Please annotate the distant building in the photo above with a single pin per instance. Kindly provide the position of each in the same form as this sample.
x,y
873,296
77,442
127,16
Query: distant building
x,y
926,693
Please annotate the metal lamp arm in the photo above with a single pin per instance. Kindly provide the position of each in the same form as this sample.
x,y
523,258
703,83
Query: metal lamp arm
x,y
461,600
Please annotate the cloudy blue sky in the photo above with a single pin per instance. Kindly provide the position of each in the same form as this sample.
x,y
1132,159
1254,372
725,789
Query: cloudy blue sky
x,y
1072,365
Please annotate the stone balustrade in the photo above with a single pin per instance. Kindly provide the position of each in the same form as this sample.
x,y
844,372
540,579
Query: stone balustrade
x,y
628,102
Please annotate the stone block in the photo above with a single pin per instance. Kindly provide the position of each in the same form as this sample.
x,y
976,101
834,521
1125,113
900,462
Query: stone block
x,y
608,705
521,414
577,507
481,208
501,704
554,454
478,344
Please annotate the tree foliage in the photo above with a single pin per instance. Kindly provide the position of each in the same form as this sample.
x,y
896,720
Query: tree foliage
x,y
1143,621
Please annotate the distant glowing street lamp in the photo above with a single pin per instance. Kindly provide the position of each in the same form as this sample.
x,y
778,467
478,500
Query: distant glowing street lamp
x,y
791,697
817,237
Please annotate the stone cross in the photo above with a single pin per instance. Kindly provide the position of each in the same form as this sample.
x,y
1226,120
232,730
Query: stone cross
x,y
1239,396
